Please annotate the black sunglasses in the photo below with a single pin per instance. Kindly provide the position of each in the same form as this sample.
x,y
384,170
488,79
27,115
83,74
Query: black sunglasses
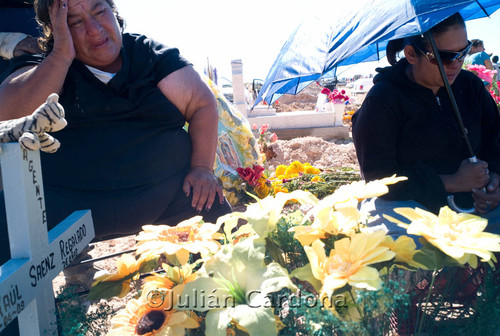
x,y
447,57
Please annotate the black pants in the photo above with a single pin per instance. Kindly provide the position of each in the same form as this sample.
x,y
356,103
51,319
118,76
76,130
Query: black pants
x,y
124,212
119,213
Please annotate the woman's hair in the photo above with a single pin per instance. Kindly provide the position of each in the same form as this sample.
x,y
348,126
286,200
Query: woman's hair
x,y
395,46
42,8
476,43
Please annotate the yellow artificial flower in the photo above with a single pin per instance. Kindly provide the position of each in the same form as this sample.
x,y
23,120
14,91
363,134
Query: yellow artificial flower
x,y
349,262
405,248
231,197
307,234
294,169
262,190
165,289
338,213
329,222
279,188
280,170
459,235
157,282
172,276
127,270
361,190
316,178
308,169
345,200
190,236
263,215
139,318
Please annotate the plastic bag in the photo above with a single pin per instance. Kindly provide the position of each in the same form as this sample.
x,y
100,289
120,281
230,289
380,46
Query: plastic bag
x,y
236,145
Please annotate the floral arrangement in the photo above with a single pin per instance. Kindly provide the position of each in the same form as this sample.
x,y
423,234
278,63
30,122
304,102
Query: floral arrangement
x,y
335,96
482,72
495,93
271,270
255,180
488,76
347,118
295,176
265,138
258,183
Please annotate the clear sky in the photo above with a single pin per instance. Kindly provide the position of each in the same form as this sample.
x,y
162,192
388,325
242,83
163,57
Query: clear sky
x,y
254,31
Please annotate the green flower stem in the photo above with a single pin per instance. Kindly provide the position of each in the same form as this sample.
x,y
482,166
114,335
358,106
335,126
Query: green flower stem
x,y
354,301
427,299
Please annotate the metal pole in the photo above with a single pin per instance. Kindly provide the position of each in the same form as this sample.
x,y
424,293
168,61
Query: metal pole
x,y
458,118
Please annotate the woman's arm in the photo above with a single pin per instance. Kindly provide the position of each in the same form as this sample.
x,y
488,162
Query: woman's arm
x,y
186,90
488,64
25,89
196,102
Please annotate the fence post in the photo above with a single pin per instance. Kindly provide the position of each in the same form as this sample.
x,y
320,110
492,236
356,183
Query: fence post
x,y
36,255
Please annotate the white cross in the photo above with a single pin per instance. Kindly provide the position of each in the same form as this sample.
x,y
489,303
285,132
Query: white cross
x,y
37,256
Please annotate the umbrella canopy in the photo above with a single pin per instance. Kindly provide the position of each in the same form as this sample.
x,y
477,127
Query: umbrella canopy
x,y
321,44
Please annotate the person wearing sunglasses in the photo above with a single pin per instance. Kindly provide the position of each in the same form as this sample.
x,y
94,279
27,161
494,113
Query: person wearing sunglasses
x,y
447,57
406,126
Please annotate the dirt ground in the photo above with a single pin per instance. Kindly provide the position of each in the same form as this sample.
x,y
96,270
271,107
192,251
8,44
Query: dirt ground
x,y
318,152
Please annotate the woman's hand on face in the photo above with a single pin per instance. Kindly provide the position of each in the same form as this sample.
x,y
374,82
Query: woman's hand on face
x,y
204,186
486,201
472,175
63,42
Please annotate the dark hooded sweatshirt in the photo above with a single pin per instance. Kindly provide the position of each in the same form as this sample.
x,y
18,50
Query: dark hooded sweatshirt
x,y
403,128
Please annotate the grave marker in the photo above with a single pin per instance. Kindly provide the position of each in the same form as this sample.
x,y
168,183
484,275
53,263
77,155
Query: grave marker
x,y
37,256
238,86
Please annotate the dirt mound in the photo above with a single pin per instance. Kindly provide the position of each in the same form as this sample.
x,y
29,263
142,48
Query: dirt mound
x,y
306,100
303,101
316,151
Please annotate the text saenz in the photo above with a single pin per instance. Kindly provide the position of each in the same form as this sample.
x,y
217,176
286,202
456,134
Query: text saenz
x,y
39,271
